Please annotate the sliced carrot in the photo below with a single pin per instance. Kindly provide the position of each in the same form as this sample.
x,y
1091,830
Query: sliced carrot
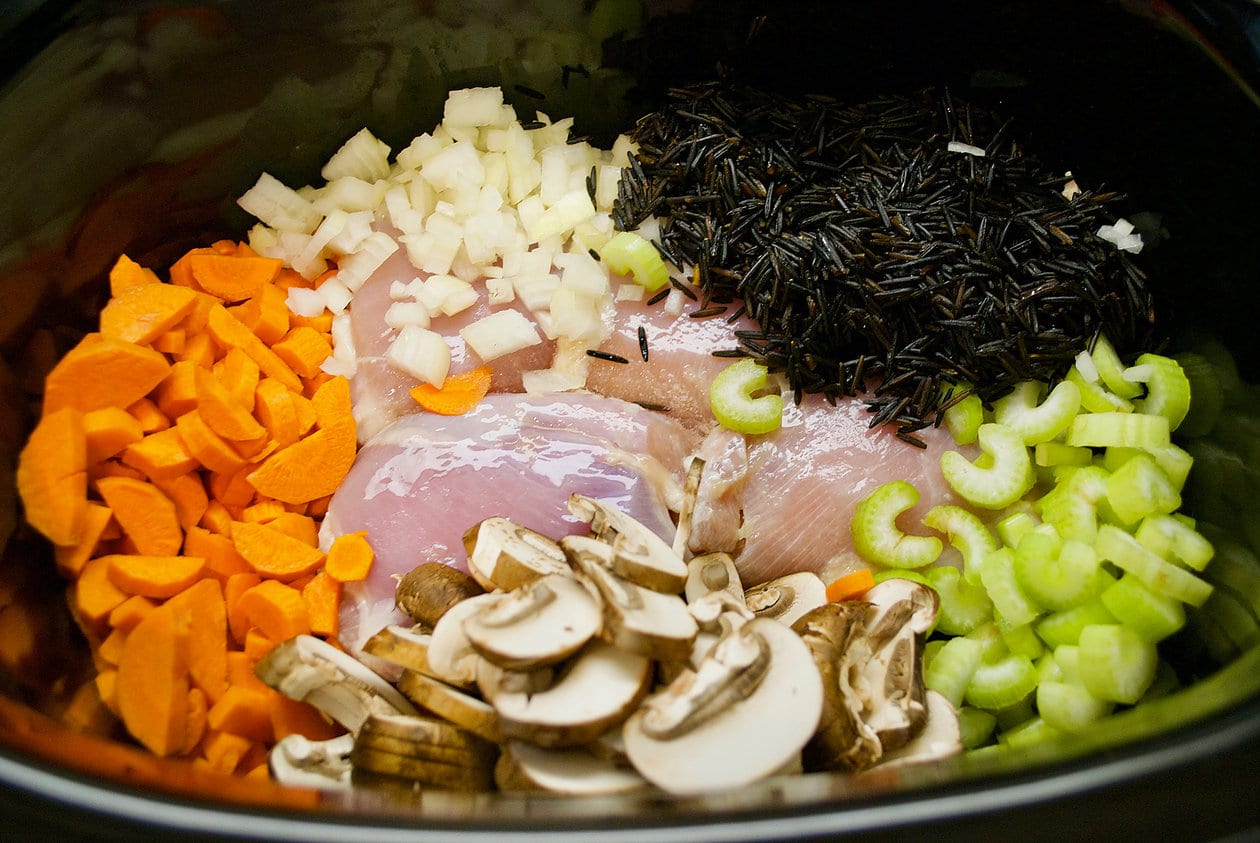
x,y
181,270
221,412
200,349
111,468
218,519
111,648
257,645
146,515
459,394
52,476
206,610
276,609
239,375
71,558
151,418
350,557
220,554
304,349
276,410
141,314
103,372
850,585
310,468
195,727
130,612
233,278
293,717
106,683
127,274
188,493
323,604
230,332
274,554
177,393
154,576
236,586
233,489
161,455
224,750
108,430
262,512
266,314
171,342
301,527
206,446
240,669
153,682
244,712
332,404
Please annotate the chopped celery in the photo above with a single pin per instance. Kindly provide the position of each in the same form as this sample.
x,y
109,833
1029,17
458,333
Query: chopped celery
x,y
1095,397
1022,640
1033,731
1116,664
1131,430
1167,388
1013,527
964,418
963,606
1152,616
1001,684
1173,539
1172,459
1034,422
952,667
901,574
878,539
1207,396
1139,488
1111,369
1005,481
967,533
1069,707
1050,454
630,254
1009,600
735,408
1156,573
1056,574
1065,627
976,726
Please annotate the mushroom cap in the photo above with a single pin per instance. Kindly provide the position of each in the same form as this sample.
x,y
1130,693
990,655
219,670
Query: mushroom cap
x,y
939,738
639,554
462,709
599,688
505,555
452,657
402,646
575,771
710,572
428,590
297,761
539,623
788,597
750,738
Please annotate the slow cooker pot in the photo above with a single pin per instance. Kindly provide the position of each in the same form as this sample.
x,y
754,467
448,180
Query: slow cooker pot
x,y
130,126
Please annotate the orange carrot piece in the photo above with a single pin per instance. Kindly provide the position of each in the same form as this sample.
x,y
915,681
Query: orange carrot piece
x,y
71,558
243,711
106,683
332,404
207,446
200,350
257,645
112,468
276,609
233,490
181,270
151,418
239,375
850,585
323,604
52,476
301,527
161,455
130,612
153,682
240,670
111,648
321,323
266,314
262,512
220,411
294,717
103,372
206,610
154,576
230,332
109,430
218,518
459,394
143,313
275,408
272,553
304,349
310,468
177,393
233,278
195,728
127,274
220,554
171,342
350,557
94,595
236,586
188,493
146,515
224,750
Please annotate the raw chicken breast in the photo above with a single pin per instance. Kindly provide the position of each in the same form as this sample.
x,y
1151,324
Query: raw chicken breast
x,y
789,496
420,483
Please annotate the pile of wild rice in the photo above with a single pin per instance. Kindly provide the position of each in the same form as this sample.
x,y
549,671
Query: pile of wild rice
x,y
874,260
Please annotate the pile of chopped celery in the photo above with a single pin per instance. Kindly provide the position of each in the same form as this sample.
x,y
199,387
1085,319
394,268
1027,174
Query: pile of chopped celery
x,y
1076,561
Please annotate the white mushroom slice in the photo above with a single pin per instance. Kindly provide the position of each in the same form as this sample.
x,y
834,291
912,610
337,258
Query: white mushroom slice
x,y
426,738
428,590
297,761
741,734
505,555
492,680
787,598
373,765
576,771
462,709
599,688
540,623
921,602
719,611
313,671
402,646
711,572
636,618
452,657
901,612
642,556
939,738
686,514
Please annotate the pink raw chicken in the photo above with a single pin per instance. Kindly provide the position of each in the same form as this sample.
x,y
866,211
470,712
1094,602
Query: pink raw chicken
x,y
422,482
789,496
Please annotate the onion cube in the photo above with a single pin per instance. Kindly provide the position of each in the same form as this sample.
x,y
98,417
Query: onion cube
x,y
472,107
421,353
500,333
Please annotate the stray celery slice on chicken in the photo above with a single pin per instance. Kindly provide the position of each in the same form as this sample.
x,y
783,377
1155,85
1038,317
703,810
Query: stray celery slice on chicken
x,y
735,408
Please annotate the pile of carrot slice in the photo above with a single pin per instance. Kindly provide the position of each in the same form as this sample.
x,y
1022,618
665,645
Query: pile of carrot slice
x,y
184,458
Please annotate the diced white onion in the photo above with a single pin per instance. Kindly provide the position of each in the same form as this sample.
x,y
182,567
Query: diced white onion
x,y
303,301
421,353
356,268
1087,367
503,332
279,206
364,156
403,313
965,148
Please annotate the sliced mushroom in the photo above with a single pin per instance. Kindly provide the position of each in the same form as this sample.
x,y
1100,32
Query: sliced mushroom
x,y
711,572
788,597
939,738
636,618
537,624
687,512
576,771
639,555
460,708
313,671
297,761
843,741
428,590
505,555
717,728
423,749
598,689
901,613
452,657
369,765
916,604
402,646
716,613
492,680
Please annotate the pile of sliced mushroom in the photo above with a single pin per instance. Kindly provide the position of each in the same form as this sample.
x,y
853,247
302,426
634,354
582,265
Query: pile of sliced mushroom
x,y
606,663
